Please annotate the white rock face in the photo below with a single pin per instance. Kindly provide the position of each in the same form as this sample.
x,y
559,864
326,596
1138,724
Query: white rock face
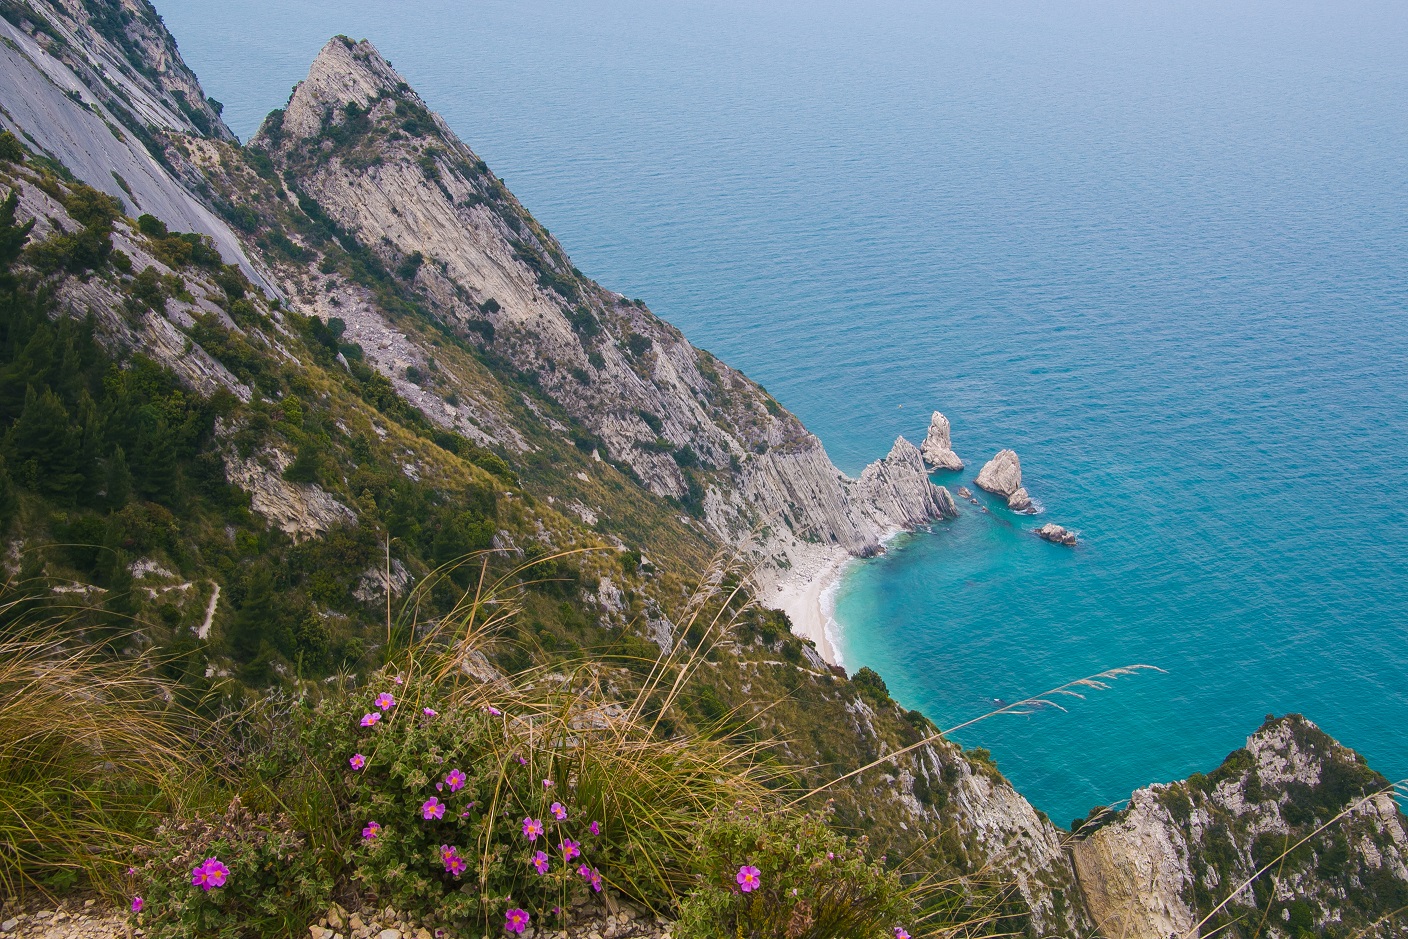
x,y
299,509
938,448
1002,476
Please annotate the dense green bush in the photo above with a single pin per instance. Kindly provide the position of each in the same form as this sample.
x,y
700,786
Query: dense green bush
x,y
272,885
785,876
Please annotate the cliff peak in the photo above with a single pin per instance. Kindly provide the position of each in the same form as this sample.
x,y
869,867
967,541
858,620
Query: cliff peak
x,y
344,73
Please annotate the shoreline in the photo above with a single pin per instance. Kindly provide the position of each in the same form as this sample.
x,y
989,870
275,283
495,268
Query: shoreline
x,y
808,597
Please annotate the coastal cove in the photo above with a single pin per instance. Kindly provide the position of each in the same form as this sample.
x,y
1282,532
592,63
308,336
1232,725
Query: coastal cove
x,y
1158,253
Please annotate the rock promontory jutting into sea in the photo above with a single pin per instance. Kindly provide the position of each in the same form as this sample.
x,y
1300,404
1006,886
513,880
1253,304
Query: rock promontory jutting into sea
x,y
1002,476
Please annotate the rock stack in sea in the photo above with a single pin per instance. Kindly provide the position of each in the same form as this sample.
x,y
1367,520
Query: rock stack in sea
x,y
938,448
1057,534
1002,476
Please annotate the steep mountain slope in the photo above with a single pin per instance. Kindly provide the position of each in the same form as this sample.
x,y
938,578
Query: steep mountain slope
x,y
358,143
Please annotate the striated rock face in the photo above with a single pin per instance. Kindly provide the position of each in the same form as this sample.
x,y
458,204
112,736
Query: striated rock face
x,y
74,107
1163,865
938,448
365,149
298,509
1003,476
1056,534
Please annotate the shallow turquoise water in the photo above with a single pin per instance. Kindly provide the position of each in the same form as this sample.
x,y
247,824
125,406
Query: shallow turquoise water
x,y
1160,249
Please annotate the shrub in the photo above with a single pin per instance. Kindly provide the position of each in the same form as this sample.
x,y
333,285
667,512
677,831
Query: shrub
x,y
272,886
785,876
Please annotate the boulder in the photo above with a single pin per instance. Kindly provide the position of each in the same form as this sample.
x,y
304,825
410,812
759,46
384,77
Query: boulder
x,y
1056,534
938,448
1002,476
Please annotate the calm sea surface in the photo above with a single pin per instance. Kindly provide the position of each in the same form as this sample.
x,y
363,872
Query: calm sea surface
x,y
1160,249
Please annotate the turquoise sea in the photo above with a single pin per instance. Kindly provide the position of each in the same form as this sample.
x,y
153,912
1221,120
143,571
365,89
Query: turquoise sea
x,y
1159,248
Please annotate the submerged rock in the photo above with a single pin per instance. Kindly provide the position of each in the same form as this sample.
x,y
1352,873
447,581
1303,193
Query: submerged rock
x,y
1002,476
938,448
1056,534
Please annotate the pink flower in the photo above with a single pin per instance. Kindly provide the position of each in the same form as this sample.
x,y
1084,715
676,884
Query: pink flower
x,y
532,828
521,760
385,701
430,712
454,864
490,709
558,812
547,783
570,849
210,875
749,878
398,680
584,872
596,880
516,920
541,862
370,719
137,904
371,831
432,808
900,933
357,761
594,828
455,780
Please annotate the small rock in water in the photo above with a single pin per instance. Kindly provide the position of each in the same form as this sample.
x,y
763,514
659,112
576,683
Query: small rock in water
x,y
1056,534
965,492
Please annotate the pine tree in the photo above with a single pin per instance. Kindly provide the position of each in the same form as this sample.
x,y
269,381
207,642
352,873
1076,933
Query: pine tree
x,y
45,445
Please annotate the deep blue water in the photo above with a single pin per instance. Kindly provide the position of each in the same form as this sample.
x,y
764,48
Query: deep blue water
x,y
1159,248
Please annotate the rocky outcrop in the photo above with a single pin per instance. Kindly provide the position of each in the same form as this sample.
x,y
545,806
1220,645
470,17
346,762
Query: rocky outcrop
x,y
1056,534
897,490
298,509
938,448
1293,831
1002,476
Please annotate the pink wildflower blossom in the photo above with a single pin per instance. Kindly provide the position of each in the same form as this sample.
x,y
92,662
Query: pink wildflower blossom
x,y
749,878
532,828
357,761
385,701
439,787
558,812
398,680
547,783
541,862
516,920
371,831
900,933
570,849
370,719
432,808
210,874
594,828
596,880
454,864
137,904
455,780
491,710
521,761
430,712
